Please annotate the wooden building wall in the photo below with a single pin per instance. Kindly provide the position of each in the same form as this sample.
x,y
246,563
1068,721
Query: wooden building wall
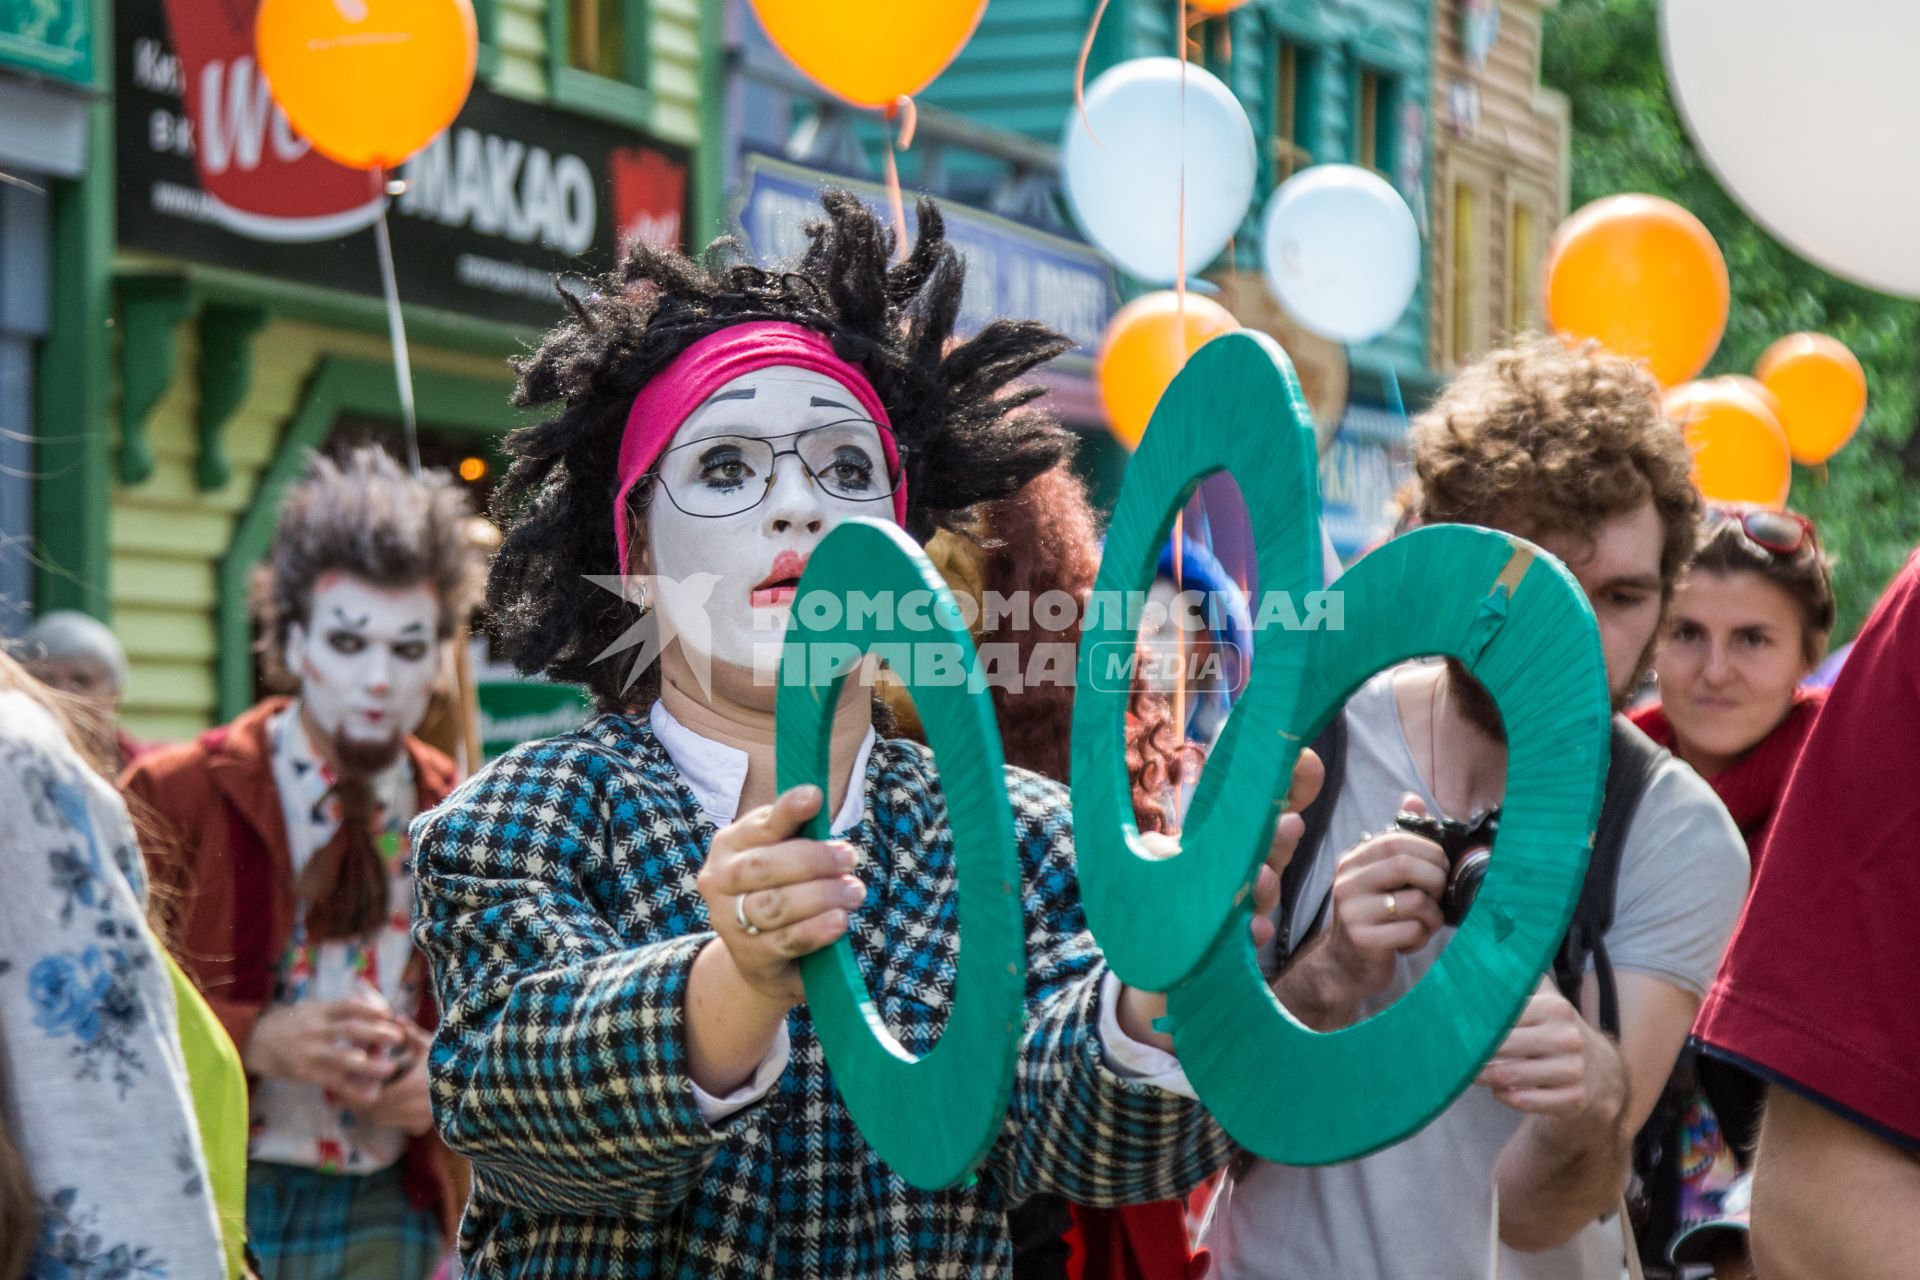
x,y
168,536
673,70
1499,184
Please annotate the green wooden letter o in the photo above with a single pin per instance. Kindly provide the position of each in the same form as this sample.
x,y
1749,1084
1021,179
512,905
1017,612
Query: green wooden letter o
x,y
1521,624
1236,407
932,1119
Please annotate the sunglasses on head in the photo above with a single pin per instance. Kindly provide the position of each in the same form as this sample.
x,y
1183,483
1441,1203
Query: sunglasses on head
x,y
1781,532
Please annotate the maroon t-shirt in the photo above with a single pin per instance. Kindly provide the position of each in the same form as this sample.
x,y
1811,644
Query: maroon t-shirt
x,y
1818,991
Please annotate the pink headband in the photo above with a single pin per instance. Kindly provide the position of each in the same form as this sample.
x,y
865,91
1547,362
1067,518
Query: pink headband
x,y
709,364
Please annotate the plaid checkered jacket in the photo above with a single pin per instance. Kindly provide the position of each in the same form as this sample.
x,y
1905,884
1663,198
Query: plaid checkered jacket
x,y
556,902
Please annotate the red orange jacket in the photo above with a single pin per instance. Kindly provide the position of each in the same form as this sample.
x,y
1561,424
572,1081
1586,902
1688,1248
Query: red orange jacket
x,y
215,840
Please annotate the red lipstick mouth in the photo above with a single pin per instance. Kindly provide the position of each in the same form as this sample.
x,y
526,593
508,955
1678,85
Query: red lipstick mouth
x,y
781,582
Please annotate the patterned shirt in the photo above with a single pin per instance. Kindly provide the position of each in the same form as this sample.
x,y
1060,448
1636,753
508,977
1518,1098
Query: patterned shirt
x,y
302,1124
558,908
97,1087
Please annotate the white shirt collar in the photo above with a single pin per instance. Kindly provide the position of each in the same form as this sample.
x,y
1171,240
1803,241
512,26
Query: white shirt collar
x,y
715,772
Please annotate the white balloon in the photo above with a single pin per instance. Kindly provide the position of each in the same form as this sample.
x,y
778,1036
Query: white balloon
x,y
1124,180
1342,251
1807,114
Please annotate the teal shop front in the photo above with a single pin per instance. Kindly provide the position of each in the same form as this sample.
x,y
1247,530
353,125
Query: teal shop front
x,y
46,92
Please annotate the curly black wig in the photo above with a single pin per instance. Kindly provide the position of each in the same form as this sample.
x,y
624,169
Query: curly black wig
x,y
967,436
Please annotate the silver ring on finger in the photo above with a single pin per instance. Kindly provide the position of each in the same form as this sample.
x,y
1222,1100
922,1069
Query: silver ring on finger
x,y
1393,907
747,926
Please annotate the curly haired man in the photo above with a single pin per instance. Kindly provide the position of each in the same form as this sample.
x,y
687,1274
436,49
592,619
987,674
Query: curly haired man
x,y
1568,448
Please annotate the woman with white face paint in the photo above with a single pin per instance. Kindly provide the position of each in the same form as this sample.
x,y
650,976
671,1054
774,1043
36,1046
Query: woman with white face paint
x,y
282,837
615,916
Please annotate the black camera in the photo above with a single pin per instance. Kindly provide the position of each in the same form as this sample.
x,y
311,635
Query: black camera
x,y
1469,849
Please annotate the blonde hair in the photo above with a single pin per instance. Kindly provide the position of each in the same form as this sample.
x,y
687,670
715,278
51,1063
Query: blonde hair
x,y
15,678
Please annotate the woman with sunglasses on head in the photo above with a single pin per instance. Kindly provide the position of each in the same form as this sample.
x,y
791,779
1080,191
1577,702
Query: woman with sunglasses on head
x,y
614,917
1749,623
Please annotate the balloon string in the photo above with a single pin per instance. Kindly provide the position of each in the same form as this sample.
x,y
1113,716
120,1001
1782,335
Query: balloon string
x,y
1080,73
1192,23
910,120
1180,322
1394,401
1180,227
908,117
396,324
1179,623
1206,522
1180,235
1203,538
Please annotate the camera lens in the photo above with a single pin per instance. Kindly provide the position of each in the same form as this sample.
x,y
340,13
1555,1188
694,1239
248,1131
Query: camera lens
x,y
1463,886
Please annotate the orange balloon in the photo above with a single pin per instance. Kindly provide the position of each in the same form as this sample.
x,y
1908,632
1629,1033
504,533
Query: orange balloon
x,y
368,82
1214,7
870,52
1146,344
1643,277
1822,391
1739,447
1759,391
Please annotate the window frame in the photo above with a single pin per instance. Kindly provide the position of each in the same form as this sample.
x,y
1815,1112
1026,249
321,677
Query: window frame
x,y
628,100
1464,315
1521,240
1204,39
1525,304
1375,119
1291,148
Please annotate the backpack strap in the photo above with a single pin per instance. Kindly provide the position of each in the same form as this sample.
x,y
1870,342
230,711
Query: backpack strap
x,y
1633,759
1331,747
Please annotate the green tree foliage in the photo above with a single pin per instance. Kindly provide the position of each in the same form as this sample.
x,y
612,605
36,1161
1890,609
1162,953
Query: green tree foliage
x,y
1605,56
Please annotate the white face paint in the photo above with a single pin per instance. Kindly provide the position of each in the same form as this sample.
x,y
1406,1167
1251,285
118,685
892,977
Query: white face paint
x,y
759,553
366,658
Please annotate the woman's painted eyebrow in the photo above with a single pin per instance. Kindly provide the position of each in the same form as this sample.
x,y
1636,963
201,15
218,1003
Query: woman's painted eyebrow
x,y
821,402
743,393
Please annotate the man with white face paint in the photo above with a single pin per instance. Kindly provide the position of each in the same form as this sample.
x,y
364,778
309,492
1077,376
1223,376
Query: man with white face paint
x,y
283,836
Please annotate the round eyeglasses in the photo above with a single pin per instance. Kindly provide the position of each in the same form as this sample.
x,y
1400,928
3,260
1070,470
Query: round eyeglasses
x,y
724,475
1781,532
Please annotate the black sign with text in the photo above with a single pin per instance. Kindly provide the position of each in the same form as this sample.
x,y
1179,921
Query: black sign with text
x,y
511,195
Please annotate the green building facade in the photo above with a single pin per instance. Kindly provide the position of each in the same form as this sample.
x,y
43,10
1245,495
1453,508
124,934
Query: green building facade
x,y
1323,82
48,73
214,309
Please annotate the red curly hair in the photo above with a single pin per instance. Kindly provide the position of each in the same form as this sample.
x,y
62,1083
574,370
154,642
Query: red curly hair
x,y
1047,538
